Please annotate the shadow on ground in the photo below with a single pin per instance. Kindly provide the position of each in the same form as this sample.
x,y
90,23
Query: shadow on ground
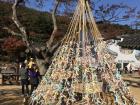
x,y
10,95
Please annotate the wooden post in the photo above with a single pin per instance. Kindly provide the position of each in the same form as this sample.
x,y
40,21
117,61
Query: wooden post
x,y
17,74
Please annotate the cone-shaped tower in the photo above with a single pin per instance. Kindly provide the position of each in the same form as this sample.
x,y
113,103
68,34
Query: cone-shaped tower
x,y
82,71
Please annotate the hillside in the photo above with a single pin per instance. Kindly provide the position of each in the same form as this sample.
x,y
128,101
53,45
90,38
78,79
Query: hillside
x,y
39,24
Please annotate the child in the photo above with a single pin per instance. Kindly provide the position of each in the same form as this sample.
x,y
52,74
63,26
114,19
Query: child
x,y
31,63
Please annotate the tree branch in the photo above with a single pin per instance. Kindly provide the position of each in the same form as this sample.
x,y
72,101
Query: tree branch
x,y
12,32
49,43
54,47
17,23
2,40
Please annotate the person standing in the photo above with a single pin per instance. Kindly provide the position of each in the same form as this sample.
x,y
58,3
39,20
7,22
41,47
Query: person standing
x,y
23,72
34,77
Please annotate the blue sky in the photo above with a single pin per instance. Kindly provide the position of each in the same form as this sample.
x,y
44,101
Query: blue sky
x,y
132,3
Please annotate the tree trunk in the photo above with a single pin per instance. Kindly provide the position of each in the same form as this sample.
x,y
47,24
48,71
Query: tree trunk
x,y
49,43
41,65
17,23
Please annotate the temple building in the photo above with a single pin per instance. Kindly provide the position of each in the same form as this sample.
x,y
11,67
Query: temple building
x,y
126,49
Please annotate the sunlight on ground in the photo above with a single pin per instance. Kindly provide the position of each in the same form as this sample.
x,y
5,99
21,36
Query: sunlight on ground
x,y
11,94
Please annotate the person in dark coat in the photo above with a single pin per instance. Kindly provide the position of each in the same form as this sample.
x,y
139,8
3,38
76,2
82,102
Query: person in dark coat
x,y
23,72
34,77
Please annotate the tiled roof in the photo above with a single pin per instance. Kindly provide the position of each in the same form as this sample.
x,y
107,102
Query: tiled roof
x,y
131,41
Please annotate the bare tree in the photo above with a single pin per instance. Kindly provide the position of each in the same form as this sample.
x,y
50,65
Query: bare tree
x,y
137,21
114,12
23,33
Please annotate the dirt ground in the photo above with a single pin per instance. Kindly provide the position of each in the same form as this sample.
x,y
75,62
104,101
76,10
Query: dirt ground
x,y
133,82
135,91
11,94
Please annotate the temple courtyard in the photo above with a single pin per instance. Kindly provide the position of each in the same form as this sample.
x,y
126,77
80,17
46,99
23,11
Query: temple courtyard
x,y
11,94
